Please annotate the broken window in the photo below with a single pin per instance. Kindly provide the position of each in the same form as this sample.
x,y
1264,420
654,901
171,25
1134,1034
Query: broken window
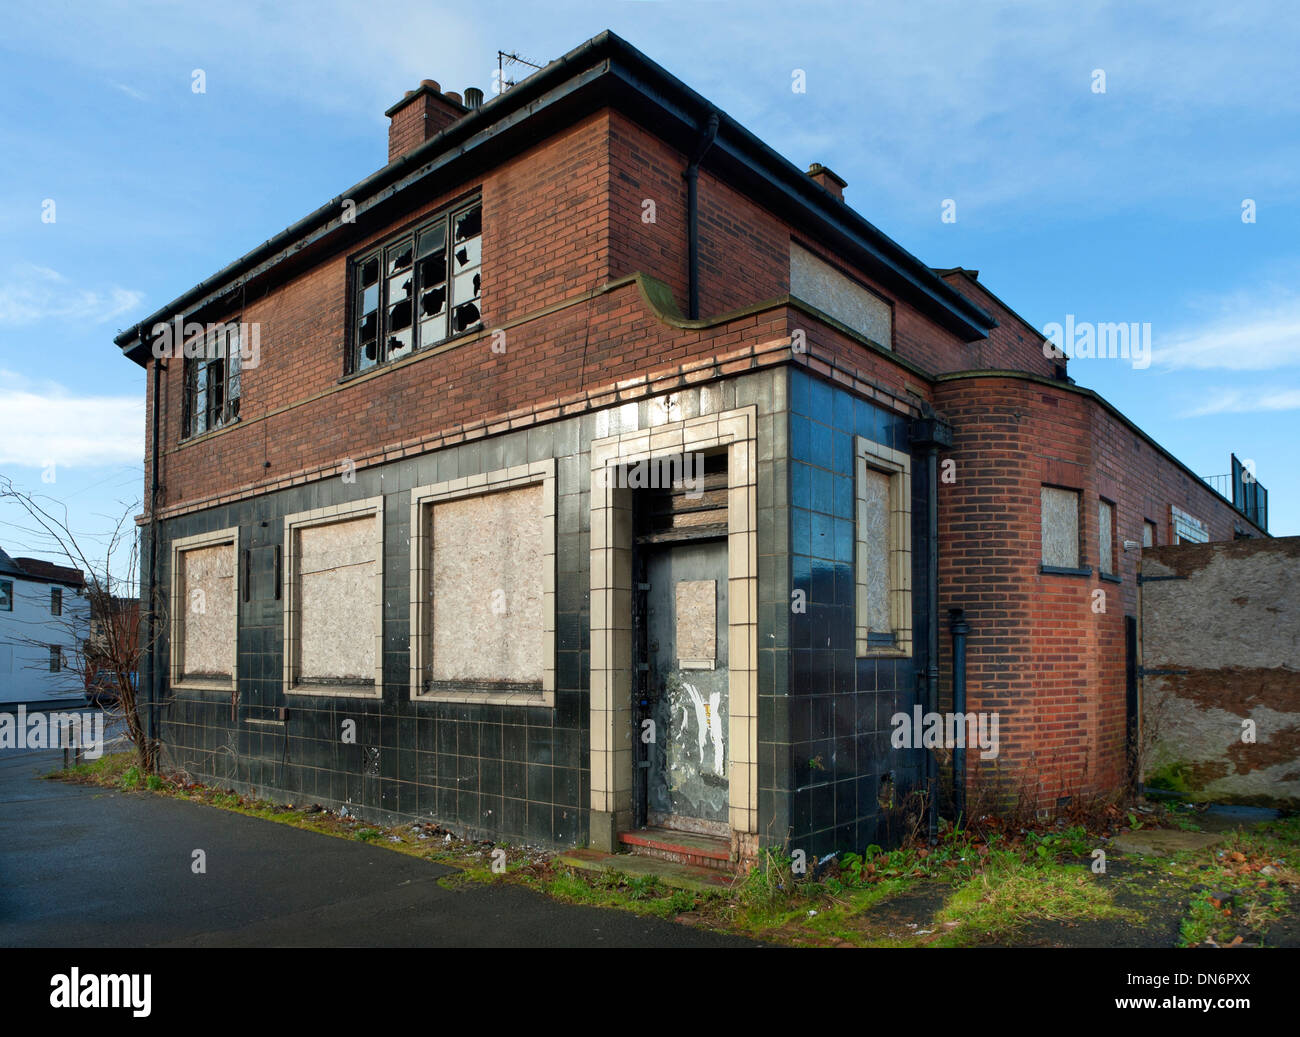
x,y
212,380
418,289
6,596
56,601
1060,532
1106,537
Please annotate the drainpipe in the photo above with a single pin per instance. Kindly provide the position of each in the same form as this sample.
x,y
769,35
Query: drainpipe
x,y
960,628
692,174
931,434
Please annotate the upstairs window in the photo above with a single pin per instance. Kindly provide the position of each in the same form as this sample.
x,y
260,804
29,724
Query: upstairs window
x,y
212,381
56,659
417,289
56,601
6,595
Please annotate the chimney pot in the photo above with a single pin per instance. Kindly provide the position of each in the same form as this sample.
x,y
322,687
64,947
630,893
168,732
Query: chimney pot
x,y
828,179
473,97
451,95
422,113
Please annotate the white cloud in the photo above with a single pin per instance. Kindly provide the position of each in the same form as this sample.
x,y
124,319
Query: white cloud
x,y
130,91
31,293
1248,401
1250,331
43,423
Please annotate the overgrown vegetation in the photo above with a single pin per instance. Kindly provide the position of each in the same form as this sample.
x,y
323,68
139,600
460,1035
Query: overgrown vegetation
x,y
991,883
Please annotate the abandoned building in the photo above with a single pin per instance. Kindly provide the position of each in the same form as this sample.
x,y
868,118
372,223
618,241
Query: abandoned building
x,y
592,475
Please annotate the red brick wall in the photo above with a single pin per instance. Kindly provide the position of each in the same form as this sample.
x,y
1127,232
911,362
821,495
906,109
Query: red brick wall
x,y
1038,654
1012,346
744,249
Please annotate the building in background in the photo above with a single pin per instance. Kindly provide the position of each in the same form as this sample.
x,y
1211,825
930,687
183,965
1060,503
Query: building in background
x,y
44,624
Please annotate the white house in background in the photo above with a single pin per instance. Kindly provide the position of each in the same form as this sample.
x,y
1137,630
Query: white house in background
x,y
44,624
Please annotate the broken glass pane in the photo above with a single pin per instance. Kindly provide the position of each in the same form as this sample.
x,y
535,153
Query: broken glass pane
x,y
433,301
466,315
370,272
399,315
399,257
469,253
399,344
469,224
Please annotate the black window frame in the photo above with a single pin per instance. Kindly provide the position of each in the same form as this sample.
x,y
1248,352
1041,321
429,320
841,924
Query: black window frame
x,y
56,601
56,658
202,374
387,345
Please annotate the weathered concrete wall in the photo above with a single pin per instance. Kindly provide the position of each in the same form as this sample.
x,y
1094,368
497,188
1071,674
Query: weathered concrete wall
x,y
1220,647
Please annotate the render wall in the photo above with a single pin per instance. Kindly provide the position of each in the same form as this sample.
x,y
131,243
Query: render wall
x,y
1220,627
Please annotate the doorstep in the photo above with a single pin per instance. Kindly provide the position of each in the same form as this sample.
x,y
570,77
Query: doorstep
x,y
700,851
670,873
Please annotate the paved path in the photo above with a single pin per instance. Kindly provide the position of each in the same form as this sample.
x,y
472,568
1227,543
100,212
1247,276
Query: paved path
x,y
84,866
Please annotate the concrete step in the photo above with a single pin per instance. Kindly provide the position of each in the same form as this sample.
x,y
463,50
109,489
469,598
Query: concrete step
x,y
699,851
675,876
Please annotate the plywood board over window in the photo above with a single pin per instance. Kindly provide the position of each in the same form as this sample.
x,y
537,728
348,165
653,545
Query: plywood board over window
x,y
204,610
334,600
483,587
883,562
1060,527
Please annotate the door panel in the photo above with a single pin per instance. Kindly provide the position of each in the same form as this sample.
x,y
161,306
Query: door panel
x,y
686,639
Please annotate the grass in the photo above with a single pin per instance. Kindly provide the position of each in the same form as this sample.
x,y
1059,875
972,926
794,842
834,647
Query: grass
x,y
968,889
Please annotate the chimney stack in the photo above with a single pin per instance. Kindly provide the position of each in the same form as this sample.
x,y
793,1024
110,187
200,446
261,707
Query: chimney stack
x,y
828,179
423,113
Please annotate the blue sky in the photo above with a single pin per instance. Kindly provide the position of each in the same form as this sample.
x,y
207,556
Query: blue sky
x,y
1121,206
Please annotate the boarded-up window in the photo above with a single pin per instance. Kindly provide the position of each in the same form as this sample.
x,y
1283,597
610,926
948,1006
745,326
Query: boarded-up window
x,y
206,600
875,539
487,565
883,549
336,598
819,284
1060,518
697,624
1106,537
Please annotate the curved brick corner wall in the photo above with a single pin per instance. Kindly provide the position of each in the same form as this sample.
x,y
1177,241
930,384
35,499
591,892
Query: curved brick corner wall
x,y
1038,654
